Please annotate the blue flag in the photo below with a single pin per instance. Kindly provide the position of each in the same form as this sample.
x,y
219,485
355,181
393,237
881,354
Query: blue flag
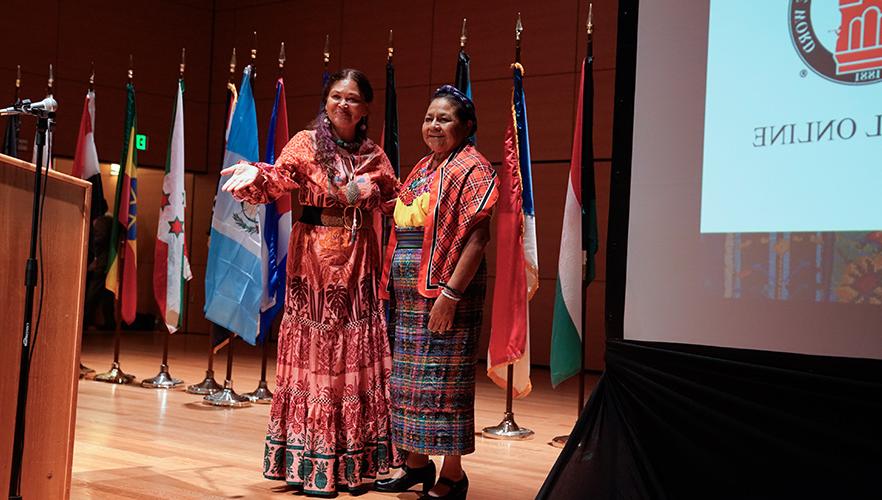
x,y
233,277
277,221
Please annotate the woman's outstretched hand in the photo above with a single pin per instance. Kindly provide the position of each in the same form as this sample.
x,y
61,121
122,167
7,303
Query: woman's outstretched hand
x,y
241,175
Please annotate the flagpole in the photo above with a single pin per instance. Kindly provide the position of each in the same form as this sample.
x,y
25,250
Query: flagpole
x,y
209,385
84,370
508,429
163,379
262,394
227,397
115,375
560,441
587,100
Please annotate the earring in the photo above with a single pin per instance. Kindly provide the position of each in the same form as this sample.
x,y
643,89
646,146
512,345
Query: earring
x,y
363,127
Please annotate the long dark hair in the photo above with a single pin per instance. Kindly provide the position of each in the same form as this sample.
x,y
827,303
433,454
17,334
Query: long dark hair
x,y
326,149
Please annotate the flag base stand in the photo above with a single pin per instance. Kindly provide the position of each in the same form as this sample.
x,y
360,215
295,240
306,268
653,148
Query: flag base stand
x,y
261,395
162,380
507,430
115,375
85,370
560,441
227,398
207,386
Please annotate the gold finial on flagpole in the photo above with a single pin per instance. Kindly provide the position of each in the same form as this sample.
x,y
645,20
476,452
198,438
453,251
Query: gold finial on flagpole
x,y
463,37
327,52
51,84
92,78
131,68
232,66
183,62
17,80
519,28
254,58
589,26
391,47
282,58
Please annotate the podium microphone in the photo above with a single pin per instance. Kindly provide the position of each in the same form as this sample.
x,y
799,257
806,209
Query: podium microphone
x,y
15,109
26,107
47,105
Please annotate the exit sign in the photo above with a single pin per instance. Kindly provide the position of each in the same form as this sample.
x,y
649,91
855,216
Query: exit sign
x,y
141,142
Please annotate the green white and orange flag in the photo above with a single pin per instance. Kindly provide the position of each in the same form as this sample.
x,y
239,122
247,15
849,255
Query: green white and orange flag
x,y
122,270
171,267
579,239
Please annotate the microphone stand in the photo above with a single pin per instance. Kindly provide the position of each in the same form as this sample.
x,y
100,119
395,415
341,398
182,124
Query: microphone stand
x,y
43,122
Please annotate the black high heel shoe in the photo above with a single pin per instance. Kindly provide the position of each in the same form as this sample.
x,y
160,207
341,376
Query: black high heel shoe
x,y
457,491
424,474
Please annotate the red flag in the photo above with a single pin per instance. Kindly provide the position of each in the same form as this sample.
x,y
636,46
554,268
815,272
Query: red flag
x,y
516,257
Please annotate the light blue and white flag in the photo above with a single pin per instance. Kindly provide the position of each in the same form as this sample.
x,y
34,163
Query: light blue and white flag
x,y
233,278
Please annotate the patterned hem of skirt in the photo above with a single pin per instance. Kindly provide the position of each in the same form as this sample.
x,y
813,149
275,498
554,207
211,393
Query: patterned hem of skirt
x,y
433,452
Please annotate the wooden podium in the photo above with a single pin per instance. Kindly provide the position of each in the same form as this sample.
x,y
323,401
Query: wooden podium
x,y
52,394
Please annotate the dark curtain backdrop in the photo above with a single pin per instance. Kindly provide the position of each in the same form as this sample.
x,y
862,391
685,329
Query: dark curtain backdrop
x,y
672,421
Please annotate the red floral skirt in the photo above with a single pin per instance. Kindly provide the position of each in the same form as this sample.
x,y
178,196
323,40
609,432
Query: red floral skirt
x,y
329,421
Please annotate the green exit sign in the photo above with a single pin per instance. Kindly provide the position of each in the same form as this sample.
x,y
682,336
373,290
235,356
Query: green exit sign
x,y
141,142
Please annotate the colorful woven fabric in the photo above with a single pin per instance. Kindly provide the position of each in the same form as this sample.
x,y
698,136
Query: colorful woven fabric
x,y
433,374
329,421
463,193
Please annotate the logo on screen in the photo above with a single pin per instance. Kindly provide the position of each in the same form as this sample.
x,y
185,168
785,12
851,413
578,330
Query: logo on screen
x,y
842,44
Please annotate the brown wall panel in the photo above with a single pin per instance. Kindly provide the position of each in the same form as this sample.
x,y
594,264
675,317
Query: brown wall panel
x,y
548,40
365,48
412,104
595,340
604,98
22,46
301,25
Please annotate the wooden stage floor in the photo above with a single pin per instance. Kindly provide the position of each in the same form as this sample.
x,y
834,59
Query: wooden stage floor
x,y
136,443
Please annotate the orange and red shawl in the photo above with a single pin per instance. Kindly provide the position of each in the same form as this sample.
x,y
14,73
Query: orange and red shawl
x,y
463,193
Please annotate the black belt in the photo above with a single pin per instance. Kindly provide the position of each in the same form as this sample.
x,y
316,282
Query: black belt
x,y
321,216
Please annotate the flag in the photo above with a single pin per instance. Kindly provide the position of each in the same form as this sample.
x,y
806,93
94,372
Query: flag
x,y
578,241
517,264
389,139
220,336
10,137
390,144
171,268
85,164
463,80
277,221
233,277
122,270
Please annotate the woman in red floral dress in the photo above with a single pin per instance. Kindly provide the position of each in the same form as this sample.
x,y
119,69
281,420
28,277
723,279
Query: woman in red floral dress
x,y
329,422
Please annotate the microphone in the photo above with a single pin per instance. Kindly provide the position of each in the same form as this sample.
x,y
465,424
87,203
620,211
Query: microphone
x,y
48,105
15,109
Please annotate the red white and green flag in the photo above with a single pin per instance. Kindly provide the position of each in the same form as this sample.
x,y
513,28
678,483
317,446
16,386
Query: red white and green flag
x,y
579,240
171,267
